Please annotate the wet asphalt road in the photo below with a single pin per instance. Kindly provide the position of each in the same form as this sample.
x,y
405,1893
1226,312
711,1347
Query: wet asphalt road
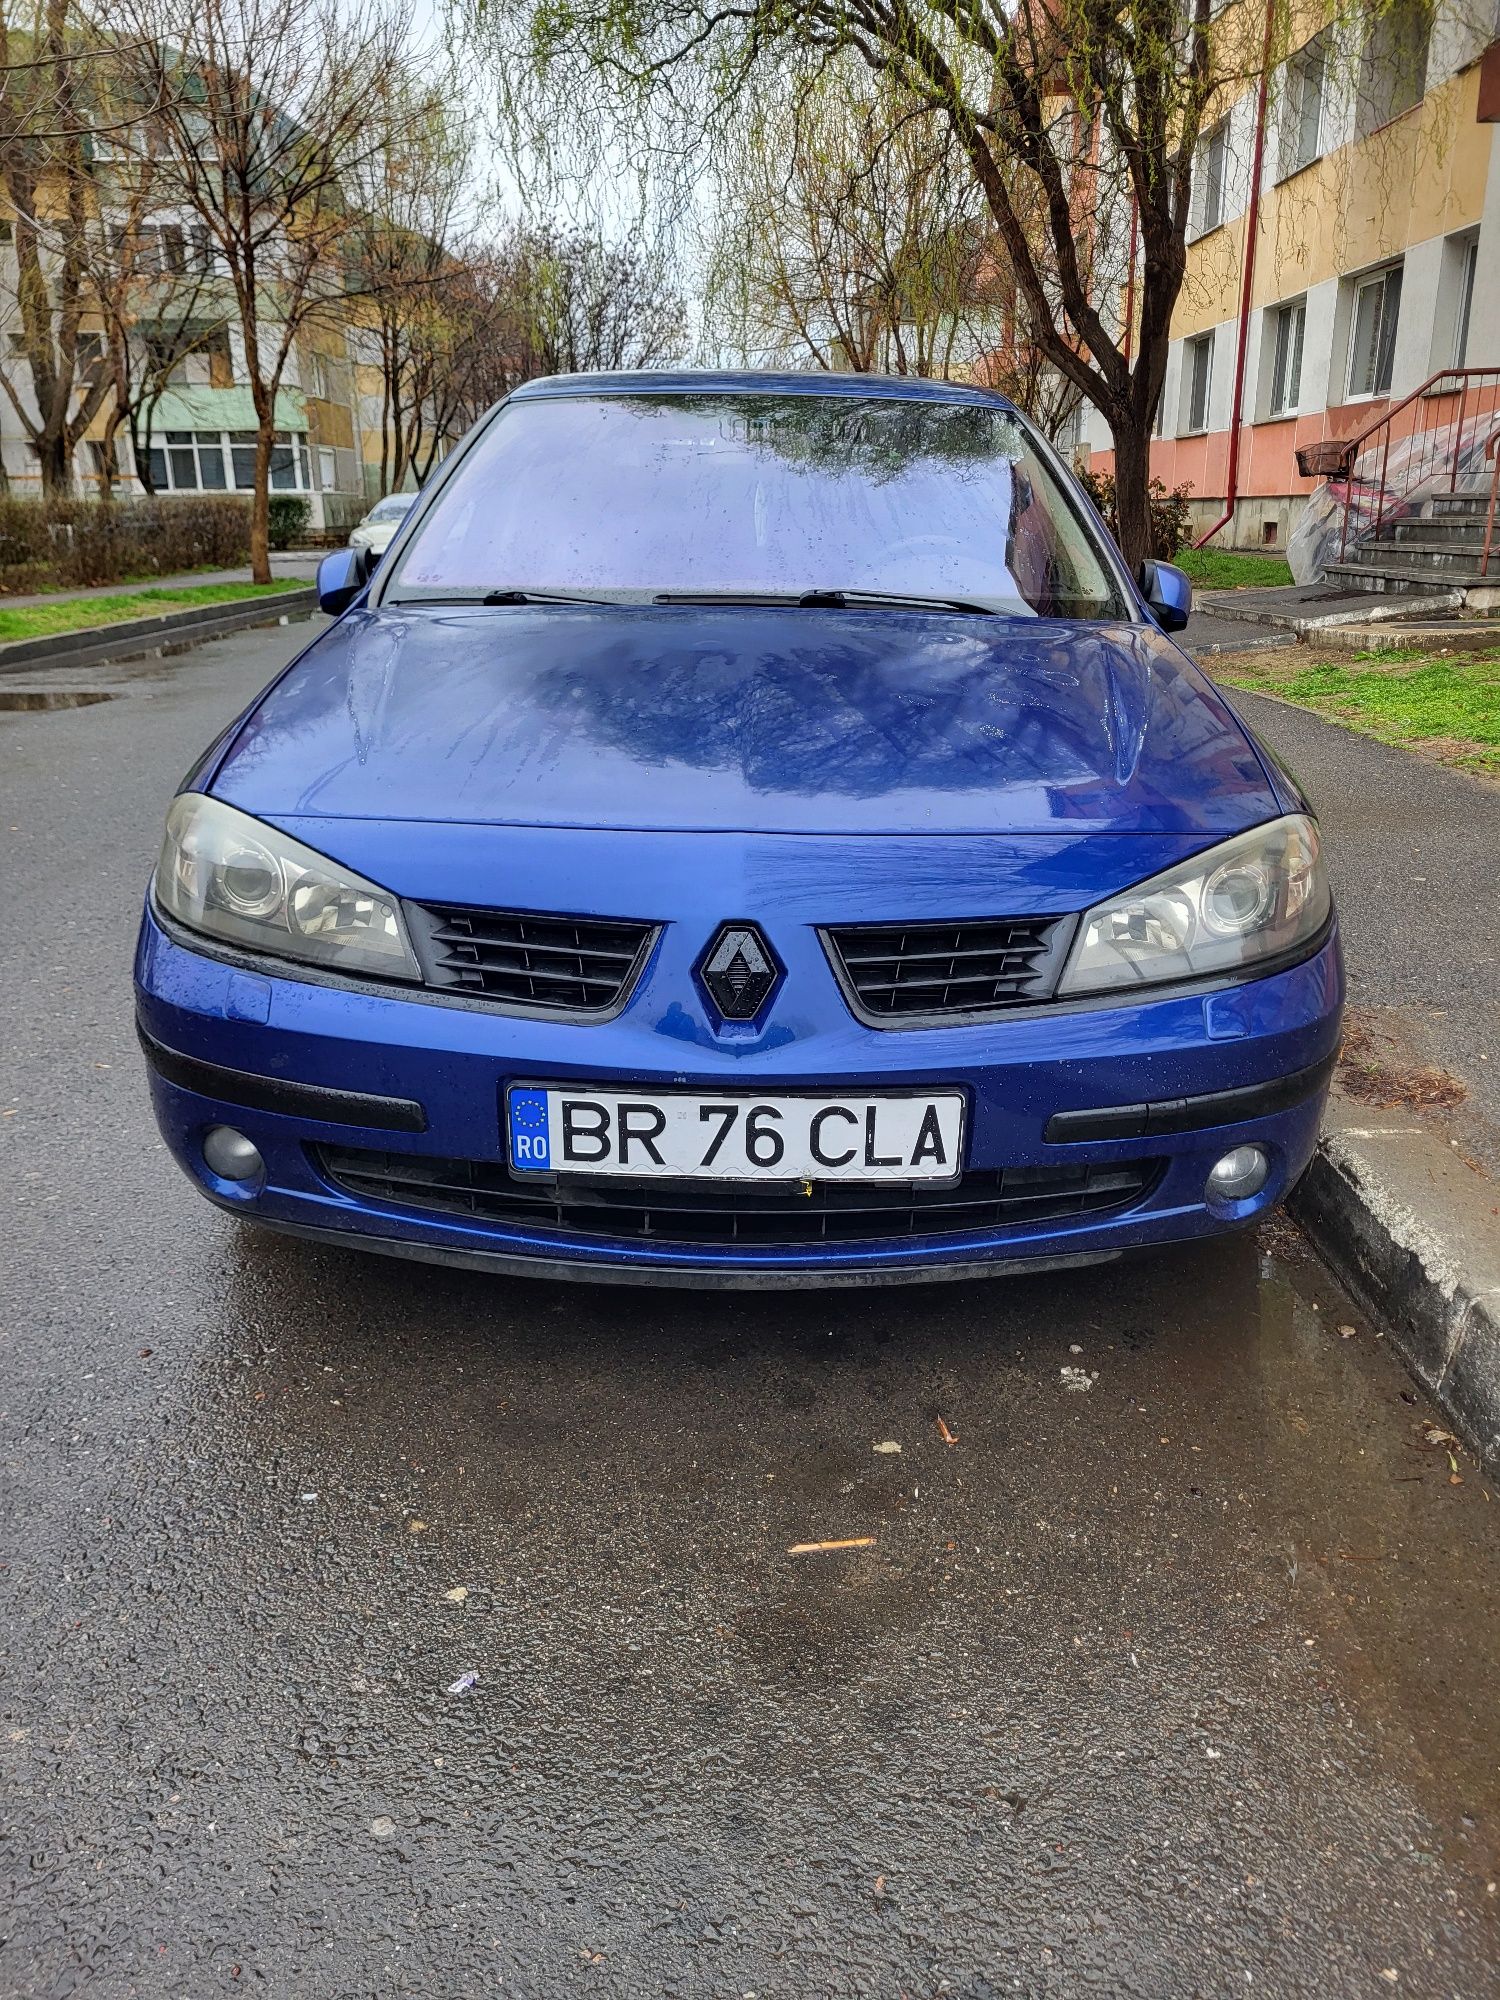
x,y
1182,1685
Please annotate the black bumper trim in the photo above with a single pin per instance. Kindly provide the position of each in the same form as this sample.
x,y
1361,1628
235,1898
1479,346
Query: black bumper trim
x,y
1189,1114
703,1277
278,1094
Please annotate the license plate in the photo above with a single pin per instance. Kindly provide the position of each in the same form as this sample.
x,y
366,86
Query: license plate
x,y
677,1135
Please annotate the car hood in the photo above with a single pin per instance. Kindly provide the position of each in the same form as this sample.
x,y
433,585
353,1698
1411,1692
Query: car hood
x,y
746,719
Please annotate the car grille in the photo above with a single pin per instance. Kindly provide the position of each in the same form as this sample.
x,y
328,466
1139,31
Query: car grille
x,y
574,965
892,972
739,1214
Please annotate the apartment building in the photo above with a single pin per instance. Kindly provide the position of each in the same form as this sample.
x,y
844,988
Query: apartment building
x,y
1374,261
194,415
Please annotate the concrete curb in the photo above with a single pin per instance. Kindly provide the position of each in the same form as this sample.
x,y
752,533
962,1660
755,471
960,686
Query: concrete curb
x,y
1253,609
1472,636
1413,1233
167,631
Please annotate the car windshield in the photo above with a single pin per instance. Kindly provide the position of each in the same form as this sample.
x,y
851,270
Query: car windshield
x,y
392,508
709,494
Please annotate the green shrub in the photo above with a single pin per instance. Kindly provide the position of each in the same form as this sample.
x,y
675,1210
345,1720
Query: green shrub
x,y
1169,511
289,517
76,544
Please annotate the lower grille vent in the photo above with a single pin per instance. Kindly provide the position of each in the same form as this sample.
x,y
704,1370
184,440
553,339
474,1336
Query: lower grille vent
x,y
731,1214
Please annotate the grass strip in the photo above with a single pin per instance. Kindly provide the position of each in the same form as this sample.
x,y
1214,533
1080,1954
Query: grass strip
x,y
1224,569
1447,707
83,614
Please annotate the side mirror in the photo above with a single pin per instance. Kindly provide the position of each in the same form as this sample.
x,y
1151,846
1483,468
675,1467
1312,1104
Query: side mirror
x,y
341,577
1168,593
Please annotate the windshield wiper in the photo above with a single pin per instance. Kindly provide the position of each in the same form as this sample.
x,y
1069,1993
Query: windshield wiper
x,y
510,595
835,600
513,594
826,600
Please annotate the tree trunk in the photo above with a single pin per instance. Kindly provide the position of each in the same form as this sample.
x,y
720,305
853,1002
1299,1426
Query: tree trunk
x,y
55,457
1132,488
260,502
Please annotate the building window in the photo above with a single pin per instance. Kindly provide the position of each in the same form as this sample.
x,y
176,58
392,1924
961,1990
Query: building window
x,y
88,355
328,470
289,472
1465,301
1213,163
195,461
166,356
1200,365
1302,107
215,347
162,247
1372,343
1393,64
164,250
188,462
1286,364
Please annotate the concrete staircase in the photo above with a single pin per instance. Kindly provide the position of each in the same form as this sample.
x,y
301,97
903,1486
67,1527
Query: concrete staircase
x,y
1439,547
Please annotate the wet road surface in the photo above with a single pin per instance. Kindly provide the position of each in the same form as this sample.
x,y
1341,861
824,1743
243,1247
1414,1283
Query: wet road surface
x,y
1181,1684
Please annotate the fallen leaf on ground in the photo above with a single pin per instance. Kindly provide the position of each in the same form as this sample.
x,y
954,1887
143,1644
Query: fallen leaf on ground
x,y
1434,1433
416,1527
890,1444
819,1548
456,1595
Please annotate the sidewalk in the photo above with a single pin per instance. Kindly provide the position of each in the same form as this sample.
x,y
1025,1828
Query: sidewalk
x,y
301,564
1414,854
1403,1198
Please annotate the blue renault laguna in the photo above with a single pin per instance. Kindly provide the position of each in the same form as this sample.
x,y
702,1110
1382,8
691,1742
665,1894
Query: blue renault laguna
x,y
750,829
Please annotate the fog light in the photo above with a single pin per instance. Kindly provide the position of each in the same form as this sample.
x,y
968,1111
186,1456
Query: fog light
x,y
1242,1172
230,1154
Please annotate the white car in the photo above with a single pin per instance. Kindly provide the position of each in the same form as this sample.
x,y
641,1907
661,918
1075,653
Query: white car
x,y
377,530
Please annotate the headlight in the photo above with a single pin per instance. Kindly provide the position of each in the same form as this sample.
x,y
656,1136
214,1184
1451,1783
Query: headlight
x,y
1257,896
233,877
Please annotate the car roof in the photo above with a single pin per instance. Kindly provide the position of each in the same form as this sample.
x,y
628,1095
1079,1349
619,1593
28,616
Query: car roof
x,y
757,382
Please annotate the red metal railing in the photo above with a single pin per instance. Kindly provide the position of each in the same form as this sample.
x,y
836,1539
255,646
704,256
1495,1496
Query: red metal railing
x,y
1491,451
1420,446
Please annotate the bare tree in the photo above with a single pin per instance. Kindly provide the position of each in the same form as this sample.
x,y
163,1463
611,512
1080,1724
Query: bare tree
x,y
467,355
56,103
270,112
851,233
409,193
542,301
577,302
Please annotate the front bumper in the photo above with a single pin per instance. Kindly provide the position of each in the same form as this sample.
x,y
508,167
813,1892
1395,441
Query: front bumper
x,y
277,1058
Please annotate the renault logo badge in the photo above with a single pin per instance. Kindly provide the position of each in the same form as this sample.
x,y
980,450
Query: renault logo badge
x,y
739,971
